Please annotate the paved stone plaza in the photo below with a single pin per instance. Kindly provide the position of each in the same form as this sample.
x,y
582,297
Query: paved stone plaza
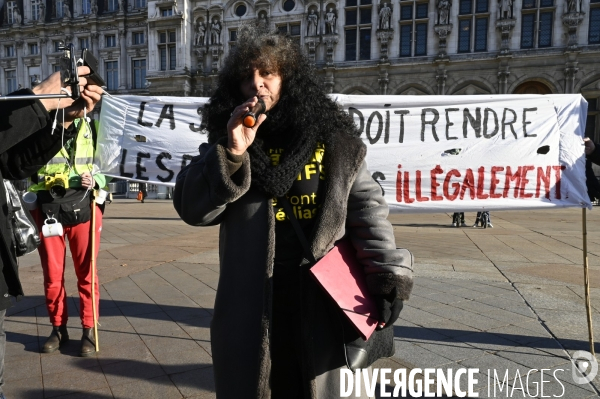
x,y
507,298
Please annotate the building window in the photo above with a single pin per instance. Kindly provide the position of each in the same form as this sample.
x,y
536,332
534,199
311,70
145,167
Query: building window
x,y
55,67
166,12
84,42
112,75
233,35
110,41
594,32
473,25
167,50
240,10
58,9
36,10
11,6
113,5
139,74
140,3
11,81
292,29
536,23
358,29
33,49
57,46
289,5
413,29
9,51
138,38
86,7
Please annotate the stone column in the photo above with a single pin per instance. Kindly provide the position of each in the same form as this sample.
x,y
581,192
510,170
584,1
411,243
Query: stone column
x,y
21,70
43,51
124,78
329,80
570,71
441,77
383,79
95,36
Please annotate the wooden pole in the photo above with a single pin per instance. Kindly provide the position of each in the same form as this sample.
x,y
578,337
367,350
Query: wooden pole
x,y
586,278
93,270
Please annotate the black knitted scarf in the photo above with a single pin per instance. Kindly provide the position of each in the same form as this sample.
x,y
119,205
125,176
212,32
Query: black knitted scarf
x,y
298,145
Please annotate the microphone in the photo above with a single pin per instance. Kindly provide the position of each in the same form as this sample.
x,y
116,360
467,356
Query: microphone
x,y
251,116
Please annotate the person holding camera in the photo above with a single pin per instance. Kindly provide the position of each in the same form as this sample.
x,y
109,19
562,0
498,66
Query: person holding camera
x,y
64,190
274,328
26,144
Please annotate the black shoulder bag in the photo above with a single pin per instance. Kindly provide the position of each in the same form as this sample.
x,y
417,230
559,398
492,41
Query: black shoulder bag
x,y
359,353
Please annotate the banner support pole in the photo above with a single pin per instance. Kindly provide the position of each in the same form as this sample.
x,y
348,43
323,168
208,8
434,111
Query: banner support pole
x,y
586,280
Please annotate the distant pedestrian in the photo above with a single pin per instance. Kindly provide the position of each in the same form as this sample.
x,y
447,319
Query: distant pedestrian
x,y
484,219
458,219
143,191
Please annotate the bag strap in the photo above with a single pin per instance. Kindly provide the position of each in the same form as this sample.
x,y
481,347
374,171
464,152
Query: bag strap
x,y
308,255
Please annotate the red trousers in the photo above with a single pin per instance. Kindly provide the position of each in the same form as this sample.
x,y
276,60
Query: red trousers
x,y
52,252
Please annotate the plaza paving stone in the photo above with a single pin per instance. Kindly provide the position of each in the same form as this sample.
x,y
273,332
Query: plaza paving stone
x,y
503,299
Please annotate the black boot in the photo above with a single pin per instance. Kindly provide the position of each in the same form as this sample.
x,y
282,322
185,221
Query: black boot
x,y
88,345
57,338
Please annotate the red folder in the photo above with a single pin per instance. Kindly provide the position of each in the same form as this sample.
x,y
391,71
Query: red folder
x,y
340,274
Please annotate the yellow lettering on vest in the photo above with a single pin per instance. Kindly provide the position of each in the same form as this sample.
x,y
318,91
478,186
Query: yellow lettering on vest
x,y
309,170
280,215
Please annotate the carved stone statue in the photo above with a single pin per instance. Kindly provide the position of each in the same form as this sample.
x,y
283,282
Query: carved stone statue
x,y
505,9
573,6
330,20
120,2
313,22
17,16
262,21
215,32
94,8
443,7
42,15
385,17
66,11
200,34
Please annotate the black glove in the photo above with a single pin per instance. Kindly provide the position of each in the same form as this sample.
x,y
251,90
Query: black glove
x,y
389,307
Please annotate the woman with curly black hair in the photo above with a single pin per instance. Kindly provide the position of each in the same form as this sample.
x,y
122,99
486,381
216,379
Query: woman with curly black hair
x,y
275,333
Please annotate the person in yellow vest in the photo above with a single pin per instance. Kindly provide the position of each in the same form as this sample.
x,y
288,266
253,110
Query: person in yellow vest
x,y
64,189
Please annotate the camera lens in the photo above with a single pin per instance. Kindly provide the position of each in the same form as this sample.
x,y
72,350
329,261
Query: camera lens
x,y
58,189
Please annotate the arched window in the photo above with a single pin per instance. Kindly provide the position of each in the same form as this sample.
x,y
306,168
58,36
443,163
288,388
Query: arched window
x,y
532,88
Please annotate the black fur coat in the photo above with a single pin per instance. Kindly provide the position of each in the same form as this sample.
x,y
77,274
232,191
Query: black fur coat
x,y
207,193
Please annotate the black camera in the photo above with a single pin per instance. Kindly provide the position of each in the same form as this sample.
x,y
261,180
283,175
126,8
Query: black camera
x,y
68,74
91,62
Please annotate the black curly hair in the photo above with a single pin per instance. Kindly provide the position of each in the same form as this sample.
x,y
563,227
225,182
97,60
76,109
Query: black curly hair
x,y
303,116
306,106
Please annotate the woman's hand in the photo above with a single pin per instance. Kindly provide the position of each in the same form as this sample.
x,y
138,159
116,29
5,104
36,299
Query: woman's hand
x,y
241,137
87,181
589,145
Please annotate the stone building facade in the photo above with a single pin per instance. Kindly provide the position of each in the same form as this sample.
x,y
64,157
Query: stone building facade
x,y
176,47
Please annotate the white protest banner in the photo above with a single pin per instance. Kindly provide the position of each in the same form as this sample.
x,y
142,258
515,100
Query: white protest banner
x,y
429,153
